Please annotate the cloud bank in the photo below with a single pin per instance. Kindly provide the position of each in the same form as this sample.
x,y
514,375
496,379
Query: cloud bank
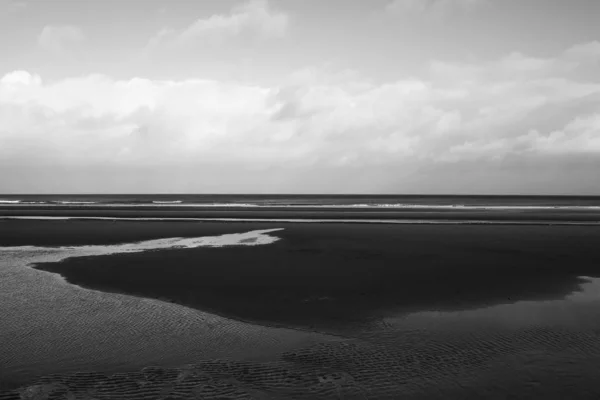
x,y
255,18
475,114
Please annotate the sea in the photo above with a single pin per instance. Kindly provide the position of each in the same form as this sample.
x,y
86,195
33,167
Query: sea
x,y
304,200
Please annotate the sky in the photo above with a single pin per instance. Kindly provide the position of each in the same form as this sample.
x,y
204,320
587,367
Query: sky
x,y
300,96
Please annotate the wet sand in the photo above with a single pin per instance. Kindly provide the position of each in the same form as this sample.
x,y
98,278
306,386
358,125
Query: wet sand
x,y
341,278
543,215
52,327
415,309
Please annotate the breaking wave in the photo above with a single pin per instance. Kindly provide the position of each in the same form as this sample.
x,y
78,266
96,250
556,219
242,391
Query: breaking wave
x,y
362,206
68,202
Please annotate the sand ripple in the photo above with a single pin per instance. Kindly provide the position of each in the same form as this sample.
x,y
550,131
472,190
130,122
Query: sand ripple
x,y
540,361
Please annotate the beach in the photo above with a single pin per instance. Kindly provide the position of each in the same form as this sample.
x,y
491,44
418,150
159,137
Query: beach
x,y
299,310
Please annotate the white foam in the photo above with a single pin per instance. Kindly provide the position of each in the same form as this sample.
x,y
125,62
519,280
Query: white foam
x,y
76,202
458,206
396,206
227,205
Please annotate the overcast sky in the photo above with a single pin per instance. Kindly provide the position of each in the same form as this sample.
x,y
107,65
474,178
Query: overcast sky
x,y
301,96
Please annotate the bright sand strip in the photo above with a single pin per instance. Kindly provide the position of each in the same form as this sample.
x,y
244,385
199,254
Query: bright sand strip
x,y
252,238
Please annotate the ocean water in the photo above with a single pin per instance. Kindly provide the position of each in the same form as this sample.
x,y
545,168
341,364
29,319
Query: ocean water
x,y
309,200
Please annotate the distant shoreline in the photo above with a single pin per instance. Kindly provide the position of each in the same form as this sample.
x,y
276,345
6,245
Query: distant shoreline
x,y
315,221
374,214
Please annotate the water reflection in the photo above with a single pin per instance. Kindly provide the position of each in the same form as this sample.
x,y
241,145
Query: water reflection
x,y
577,310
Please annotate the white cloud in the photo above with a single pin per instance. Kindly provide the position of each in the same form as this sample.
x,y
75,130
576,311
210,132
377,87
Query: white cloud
x,y
436,8
59,39
581,135
255,18
590,50
516,106
20,78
